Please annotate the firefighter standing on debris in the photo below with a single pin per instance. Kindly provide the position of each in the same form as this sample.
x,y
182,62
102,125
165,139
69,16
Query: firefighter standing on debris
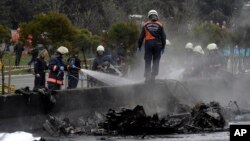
x,y
40,66
215,59
74,65
56,69
155,40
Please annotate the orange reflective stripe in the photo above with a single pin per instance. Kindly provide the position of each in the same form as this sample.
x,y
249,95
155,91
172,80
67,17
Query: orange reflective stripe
x,y
148,35
52,80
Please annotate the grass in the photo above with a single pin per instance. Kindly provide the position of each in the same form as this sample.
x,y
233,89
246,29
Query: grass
x,y
11,56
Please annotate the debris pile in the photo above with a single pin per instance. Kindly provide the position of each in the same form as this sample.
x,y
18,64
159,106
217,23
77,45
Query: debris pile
x,y
201,118
208,116
135,121
56,127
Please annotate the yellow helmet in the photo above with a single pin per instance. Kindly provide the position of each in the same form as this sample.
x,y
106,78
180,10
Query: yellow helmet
x,y
62,50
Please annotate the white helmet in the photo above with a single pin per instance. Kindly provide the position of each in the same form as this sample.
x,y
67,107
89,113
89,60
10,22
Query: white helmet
x,y
152,12
100,48
189,46
212,46
198,49
62,50
168,43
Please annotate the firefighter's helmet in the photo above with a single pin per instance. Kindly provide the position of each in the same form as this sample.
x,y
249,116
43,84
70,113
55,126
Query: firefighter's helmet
x,y
100,48
153,15
212,46
62,50
198,49
189,45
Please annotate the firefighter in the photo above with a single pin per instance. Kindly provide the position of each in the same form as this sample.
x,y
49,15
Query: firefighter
x,y
188,56
215,59
197,61
101,61
56,69
188,51
155,40
74,65
40,66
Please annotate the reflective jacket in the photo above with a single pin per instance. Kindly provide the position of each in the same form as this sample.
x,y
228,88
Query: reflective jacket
x,y
153,31
55,74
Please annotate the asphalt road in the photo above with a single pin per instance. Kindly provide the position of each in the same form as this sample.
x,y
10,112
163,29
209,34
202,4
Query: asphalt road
x,y
21,81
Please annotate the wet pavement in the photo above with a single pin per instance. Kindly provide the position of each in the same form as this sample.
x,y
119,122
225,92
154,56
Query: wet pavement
x,y
218,136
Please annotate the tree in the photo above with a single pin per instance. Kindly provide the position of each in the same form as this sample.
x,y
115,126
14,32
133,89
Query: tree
x,y
125,32
57,26
86,41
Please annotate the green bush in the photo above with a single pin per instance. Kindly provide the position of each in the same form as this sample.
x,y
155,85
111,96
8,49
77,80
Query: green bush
x,y
58,27
60,32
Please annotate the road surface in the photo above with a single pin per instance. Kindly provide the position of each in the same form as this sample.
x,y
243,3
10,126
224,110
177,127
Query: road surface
x,y
21,81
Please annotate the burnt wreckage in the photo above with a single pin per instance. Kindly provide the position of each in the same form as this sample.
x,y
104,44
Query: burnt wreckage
x,y
201,118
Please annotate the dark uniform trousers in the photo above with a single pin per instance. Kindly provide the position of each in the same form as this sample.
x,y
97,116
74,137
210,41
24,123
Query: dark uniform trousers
x,y
40,81
53,86
152,52
73,80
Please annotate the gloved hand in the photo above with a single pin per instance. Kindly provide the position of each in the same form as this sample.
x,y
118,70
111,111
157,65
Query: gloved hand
x,y
61,68
138,50
73,66
162,51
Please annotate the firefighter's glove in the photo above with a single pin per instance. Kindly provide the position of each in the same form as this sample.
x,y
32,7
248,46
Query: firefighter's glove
x,y
61,68
138,50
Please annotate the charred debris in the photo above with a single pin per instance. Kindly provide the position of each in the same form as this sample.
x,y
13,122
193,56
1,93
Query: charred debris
x,y
199,119
210,117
